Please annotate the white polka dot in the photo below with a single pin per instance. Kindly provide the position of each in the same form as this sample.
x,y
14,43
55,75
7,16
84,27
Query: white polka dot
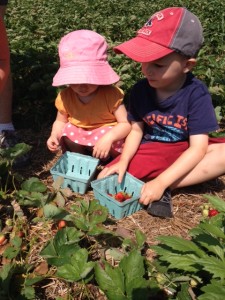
x,y
69,125
103,131
71,133
64,134
76,141
110,127
89,144
96,138
89,132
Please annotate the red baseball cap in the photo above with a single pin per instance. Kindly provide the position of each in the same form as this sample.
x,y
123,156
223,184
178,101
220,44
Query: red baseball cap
x,y
174,29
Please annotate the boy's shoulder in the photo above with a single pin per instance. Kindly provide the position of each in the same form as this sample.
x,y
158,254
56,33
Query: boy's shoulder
x,y
194,83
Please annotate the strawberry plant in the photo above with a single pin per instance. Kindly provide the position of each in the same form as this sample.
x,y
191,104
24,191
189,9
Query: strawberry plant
x,y
196,266
8,175
127,280
34,30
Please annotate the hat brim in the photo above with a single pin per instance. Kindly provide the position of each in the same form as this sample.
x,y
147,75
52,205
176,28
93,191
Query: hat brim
x,y
142,50
98,74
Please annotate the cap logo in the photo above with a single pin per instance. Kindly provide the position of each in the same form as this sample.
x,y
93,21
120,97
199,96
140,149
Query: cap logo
x,y
145,30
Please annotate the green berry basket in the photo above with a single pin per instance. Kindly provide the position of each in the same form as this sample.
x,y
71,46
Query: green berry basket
x,y
76,169
109,185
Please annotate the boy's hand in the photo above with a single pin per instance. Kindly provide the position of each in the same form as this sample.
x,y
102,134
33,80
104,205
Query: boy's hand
x,y
151,191
118,168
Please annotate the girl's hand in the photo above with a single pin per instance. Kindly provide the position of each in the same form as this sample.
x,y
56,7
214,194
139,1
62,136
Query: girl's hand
x,y
53,144
151,191
102,148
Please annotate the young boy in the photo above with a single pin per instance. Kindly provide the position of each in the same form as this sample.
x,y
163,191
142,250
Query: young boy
x,y
171,112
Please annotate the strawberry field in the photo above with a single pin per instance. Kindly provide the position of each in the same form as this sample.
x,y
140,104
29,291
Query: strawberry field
x,y
62,245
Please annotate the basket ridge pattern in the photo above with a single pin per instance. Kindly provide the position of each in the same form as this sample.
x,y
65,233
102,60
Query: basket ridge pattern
x,y
110,185
76,169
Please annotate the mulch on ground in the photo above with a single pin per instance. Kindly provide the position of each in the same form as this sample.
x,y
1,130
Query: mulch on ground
x,y
186,201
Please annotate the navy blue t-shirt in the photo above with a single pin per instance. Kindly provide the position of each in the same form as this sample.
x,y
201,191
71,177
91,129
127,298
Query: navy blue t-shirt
x,y
188,112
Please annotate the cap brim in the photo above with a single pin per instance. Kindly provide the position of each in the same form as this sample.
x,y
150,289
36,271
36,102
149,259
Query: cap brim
x,y
142,50
98,74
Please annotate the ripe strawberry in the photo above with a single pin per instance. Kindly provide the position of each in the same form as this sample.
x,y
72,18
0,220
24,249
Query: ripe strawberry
x,y
119,196
2,239
61,224
20,234
213,212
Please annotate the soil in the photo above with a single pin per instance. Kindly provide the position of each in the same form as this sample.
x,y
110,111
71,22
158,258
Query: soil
x,y
187,204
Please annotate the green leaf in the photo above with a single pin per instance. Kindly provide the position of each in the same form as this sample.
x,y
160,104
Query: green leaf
x,y
12,251
97,230
32,280
49,250
185,262
140,238
184,293
16,242
78,269
80,223
213,291
53,212
133,265
6,274
33,184
134,271
182,245
17,151
59,250
98,213
104,277
210,243
213,230
28,292
213,265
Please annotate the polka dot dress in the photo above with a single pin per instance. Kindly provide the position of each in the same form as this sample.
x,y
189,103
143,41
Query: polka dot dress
x,y
89,137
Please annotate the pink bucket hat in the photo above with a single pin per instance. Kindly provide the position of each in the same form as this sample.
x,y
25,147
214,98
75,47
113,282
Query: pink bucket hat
x,y
83,59
174,29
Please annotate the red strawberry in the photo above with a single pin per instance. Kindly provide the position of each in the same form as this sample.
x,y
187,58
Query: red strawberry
x,y
61,224
2,239
213,212
119,196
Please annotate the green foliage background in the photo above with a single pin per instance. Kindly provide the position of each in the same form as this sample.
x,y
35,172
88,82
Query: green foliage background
x,y
35,28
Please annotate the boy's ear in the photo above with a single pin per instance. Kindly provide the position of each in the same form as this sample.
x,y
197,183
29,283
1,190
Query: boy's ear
x,y
190,64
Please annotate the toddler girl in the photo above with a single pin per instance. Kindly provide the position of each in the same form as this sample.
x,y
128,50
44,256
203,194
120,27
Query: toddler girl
x,y
91,117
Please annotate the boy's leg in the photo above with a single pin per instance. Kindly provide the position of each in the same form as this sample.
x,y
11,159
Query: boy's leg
x,y
210,167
